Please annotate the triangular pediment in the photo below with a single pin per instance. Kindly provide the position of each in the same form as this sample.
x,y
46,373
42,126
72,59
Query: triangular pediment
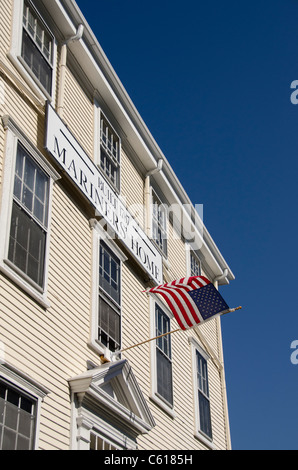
x,y
111,390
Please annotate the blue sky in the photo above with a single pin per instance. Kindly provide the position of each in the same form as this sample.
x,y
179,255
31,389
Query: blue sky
x,y
212,82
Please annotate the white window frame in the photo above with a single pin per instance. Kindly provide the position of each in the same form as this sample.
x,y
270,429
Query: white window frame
x,y
14,136
24,384
98,234
16,50
154,396
98,117
195,346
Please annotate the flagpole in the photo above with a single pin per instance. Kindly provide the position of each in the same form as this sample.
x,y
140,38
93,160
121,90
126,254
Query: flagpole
x,y
168,333
146,341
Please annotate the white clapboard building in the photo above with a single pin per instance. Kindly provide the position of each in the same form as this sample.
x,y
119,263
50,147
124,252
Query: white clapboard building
x,y
91,216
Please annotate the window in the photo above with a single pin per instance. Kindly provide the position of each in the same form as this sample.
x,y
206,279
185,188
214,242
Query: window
x,y
29,219
203,396
25,213
37,47
17,419
109,310
109,152
159,224
164,387
195,264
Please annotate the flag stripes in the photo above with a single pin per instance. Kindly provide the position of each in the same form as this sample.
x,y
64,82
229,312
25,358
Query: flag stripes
x,y
186,307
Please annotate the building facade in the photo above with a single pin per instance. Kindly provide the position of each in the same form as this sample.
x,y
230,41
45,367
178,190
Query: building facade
x,y
92,215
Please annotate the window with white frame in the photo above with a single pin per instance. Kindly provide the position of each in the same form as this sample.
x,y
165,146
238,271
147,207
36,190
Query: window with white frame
x,y
109,152
204,414
17,418
29,218
159,224
164,381
37,46
25,213
109,299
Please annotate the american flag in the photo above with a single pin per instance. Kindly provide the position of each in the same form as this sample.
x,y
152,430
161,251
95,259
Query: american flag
x,y
192,300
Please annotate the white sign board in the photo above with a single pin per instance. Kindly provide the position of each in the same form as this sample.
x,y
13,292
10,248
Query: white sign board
x,y
88,178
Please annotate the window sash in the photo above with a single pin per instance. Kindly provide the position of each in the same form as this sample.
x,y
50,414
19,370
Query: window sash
x,y
37,47
164,379
195,265
27,245
159,224
109,299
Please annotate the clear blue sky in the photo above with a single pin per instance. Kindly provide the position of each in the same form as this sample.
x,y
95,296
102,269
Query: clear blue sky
x,y
212,82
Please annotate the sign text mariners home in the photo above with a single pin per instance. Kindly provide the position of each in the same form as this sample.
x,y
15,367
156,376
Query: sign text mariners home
x,y
87,177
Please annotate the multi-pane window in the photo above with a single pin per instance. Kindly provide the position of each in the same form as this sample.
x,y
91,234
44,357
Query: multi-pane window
x,y
159,224
29,219
37,46
17,419
109,152
203,396
163,357
195,265
109,309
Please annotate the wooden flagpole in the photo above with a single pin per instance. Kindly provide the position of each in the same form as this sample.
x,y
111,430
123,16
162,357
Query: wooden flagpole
x,y
168,333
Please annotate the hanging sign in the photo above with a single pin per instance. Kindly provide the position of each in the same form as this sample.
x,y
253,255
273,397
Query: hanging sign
x,y
65,149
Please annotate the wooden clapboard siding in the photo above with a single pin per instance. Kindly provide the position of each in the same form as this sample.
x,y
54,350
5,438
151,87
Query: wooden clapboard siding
x,y
78,112
132,192
176,254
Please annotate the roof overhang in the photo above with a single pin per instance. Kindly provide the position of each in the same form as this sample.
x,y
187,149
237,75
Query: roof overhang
x,y
102,77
